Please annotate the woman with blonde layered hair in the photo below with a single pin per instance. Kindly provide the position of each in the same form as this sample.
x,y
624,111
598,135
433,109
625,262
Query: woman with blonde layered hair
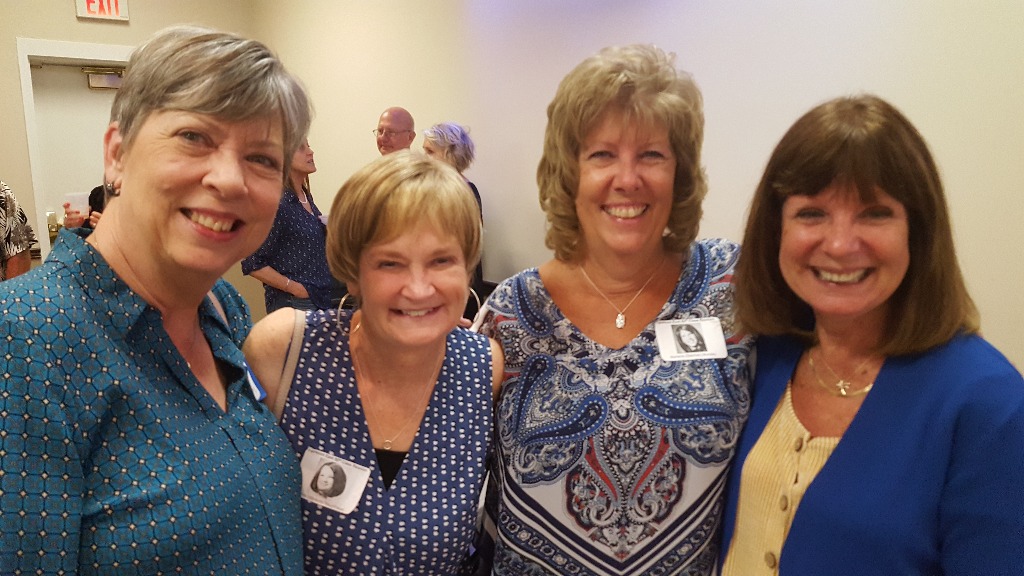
x,y
612,443
652,94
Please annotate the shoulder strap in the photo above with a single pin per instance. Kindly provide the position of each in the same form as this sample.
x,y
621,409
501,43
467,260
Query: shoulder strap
x,y
291,360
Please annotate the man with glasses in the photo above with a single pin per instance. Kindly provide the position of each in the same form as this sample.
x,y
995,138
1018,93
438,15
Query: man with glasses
x,y
395,130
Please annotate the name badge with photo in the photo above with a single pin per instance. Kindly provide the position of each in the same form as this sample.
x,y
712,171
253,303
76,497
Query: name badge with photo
x,y
690,339
332,482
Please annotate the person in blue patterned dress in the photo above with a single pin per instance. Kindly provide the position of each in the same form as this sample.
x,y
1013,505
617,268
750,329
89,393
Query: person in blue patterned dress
x,y
612,445
292,262
131,439
395,393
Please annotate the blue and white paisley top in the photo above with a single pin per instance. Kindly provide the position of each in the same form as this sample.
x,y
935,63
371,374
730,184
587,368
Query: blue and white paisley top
x,y
426,522
614,461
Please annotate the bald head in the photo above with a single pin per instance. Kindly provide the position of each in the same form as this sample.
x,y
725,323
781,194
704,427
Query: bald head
x,y
395,130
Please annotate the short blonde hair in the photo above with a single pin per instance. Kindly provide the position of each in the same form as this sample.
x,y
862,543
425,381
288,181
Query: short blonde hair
x,y
392,195
642,82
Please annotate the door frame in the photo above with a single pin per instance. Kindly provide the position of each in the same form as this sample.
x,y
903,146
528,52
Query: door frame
x,y
34,51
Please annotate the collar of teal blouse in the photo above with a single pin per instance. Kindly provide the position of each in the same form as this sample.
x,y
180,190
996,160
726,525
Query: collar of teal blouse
x,y
111,298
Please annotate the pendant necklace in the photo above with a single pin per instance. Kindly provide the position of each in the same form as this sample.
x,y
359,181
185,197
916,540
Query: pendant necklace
x,y
360,369
620,318
842,386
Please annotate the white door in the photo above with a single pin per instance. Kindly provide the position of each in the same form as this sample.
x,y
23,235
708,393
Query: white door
x,y
64,120
70,121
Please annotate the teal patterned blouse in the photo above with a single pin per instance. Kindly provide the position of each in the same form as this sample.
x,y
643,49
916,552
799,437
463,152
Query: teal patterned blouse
x,y
113,457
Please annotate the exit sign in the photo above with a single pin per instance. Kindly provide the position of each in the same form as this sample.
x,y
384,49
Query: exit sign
x,y
102,9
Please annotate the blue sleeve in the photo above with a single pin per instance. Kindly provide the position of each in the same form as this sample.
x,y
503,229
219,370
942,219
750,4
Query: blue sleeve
x,y
982,511
485,323
267,252
41,477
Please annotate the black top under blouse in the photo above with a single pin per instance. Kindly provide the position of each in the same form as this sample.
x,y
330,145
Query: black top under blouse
x,y
390,463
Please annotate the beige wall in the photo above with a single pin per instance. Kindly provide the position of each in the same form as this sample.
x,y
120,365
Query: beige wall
x,y
957,71
56,20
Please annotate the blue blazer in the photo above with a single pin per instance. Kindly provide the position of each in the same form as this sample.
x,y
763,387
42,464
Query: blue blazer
x,y
928,479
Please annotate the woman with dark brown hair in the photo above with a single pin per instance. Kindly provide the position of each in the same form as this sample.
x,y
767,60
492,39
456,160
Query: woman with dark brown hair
x,y
886,435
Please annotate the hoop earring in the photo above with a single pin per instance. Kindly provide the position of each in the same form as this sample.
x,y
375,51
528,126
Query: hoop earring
x,y
479,306
341,306
476,298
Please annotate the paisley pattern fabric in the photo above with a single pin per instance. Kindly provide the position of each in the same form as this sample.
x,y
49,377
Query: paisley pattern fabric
x,y
425,523
614,461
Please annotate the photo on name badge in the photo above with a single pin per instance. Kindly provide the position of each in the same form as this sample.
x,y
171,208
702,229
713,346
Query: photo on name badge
x,y
331,481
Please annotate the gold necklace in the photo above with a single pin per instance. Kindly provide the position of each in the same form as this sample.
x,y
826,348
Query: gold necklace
x,y
842,386
620,318
360,369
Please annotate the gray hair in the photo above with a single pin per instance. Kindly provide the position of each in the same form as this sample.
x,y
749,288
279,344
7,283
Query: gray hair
x,y
219,74
455,141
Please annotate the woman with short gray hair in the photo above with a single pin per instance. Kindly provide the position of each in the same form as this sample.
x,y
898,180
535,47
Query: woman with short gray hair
x,y
134,438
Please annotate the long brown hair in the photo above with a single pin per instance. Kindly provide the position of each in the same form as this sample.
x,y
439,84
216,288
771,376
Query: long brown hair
x,y
865,142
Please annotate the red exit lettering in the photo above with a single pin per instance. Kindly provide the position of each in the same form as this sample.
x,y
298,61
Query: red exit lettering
x,y
103,7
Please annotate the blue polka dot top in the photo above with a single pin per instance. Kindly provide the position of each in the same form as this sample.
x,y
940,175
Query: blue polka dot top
x,y
425,523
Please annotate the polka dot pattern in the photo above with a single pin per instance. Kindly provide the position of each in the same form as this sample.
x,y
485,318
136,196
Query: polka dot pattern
x,y
113,458
297,248
425,523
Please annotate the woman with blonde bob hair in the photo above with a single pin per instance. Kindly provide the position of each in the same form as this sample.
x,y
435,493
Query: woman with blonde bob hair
x,y
140,444
364,214
872,382
611,445
395,387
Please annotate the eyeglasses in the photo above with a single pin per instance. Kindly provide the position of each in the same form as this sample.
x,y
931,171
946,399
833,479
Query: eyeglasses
x,y
388,133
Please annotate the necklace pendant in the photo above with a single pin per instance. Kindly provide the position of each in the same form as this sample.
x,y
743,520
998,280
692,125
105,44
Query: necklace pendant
x,y
620,321
843,386
387,444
